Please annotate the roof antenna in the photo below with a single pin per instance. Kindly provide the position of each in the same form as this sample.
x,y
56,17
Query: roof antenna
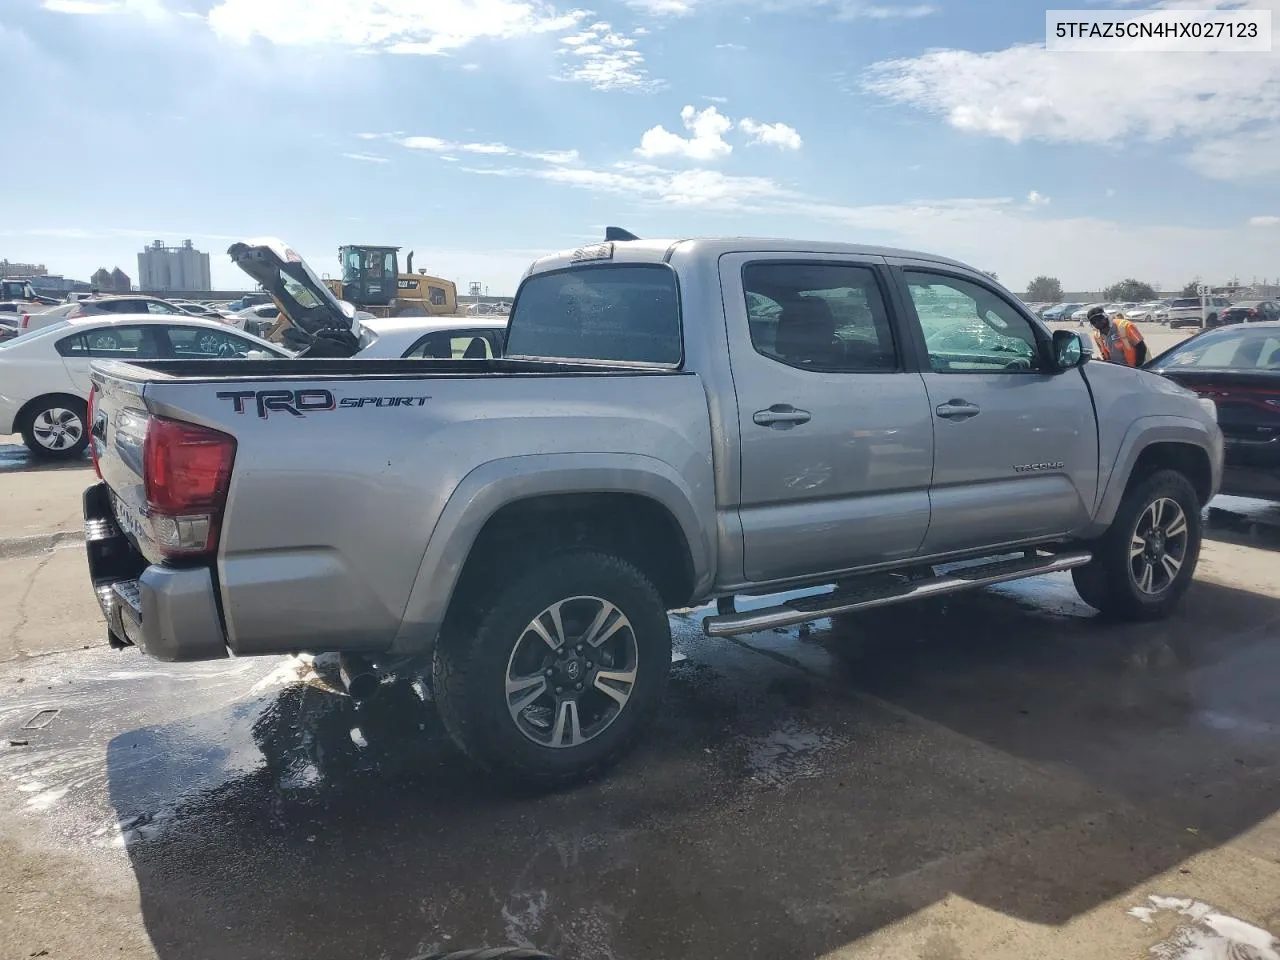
x,y
617,233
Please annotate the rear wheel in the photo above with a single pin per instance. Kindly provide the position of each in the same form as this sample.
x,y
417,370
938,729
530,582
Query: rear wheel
x,y
56,427
1144,563
553,680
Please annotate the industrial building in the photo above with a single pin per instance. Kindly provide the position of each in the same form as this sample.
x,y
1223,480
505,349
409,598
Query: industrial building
x,y
22,270
162,268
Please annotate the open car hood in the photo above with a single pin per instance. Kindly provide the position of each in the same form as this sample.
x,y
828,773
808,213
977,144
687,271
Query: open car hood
x,y
300,294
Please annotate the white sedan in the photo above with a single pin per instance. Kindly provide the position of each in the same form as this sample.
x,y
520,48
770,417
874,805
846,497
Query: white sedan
x,y
44,374
431,338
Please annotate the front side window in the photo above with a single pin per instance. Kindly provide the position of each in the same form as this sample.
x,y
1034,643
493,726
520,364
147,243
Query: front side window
x,y
611,312
969,329
827,317
155,306
436,295
198,343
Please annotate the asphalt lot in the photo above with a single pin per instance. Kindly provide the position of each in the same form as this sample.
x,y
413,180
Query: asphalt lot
x,y
998,775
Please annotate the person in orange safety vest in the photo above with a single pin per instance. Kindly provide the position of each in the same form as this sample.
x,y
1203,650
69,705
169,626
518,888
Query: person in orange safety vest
x,y
1117,340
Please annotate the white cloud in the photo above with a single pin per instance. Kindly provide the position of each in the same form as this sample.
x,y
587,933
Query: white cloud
x,y
1255,153
397,26
716,99
493,149
428,143
663,8
448,147
730,46
705,189
366,157
153,9
771,134
605,60
1265,221
1227,107
1037,199
708,127
471,66
842,9
1110,192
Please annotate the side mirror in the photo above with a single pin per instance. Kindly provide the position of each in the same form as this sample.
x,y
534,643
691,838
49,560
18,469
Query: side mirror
x,y
1068,350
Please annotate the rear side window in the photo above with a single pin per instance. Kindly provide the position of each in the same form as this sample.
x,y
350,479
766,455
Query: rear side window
x,y
629,313
453,345
828,317
114,343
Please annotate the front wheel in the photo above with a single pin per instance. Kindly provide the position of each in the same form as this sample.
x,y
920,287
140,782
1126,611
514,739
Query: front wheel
x,y
1144,563
556,677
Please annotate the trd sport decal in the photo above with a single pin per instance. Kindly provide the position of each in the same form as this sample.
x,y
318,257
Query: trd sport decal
x,y
299,403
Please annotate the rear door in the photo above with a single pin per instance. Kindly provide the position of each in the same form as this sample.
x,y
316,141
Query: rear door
x,y
1015,442
479,344
836,438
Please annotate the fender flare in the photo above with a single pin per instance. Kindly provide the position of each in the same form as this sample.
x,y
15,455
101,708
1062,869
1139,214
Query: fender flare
x,y
498,483
1142,433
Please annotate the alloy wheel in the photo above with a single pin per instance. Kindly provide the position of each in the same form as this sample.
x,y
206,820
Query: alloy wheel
x,y
1158,546
572,672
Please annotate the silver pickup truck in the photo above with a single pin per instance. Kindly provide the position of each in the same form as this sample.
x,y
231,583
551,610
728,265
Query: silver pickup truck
x,y
674,423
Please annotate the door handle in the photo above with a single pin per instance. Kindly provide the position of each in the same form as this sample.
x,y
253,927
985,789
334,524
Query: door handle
x,y
957,410
782,416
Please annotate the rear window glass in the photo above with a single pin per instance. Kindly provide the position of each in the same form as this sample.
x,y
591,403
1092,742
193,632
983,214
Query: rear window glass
x,y
628,313
1237,350
1187,302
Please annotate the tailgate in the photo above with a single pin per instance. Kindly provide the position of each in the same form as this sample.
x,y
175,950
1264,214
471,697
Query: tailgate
x,y
116,432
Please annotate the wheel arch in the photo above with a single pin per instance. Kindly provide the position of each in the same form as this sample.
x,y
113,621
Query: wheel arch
x,y
29,408
639,501
1154,443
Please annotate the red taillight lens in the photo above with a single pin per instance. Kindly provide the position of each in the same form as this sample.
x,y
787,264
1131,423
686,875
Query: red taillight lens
x,y
93,441
186,471
26,321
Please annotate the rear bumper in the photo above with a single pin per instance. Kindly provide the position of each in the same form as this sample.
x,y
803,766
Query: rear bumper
x,y
166,612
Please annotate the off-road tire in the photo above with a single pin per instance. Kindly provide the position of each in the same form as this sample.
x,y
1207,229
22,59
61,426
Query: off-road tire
x,y
27,427
478,637
1106,582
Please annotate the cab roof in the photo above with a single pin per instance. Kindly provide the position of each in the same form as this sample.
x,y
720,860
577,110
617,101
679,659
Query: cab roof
x,y
663,250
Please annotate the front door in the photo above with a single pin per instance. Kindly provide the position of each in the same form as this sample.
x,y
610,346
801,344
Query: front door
x,y
1015,442
836,432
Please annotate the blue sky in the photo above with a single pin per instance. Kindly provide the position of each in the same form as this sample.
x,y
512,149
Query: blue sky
x,y
481,133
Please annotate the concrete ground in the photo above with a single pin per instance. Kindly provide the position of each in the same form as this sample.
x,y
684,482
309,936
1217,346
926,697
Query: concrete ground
x,y
1002,775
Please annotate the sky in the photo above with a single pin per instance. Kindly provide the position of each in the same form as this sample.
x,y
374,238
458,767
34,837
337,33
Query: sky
x,y
484,133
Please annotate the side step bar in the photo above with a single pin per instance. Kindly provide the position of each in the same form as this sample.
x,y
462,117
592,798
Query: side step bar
x,y
881,592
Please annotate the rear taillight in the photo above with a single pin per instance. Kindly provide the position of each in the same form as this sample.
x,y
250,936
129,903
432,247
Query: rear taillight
x,y
186,471
26,321
93,440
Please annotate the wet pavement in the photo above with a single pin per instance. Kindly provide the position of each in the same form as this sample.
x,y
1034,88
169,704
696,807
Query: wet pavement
x,y
998,774
803,792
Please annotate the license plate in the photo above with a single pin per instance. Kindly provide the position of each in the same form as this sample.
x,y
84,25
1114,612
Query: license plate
x,y
129,520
